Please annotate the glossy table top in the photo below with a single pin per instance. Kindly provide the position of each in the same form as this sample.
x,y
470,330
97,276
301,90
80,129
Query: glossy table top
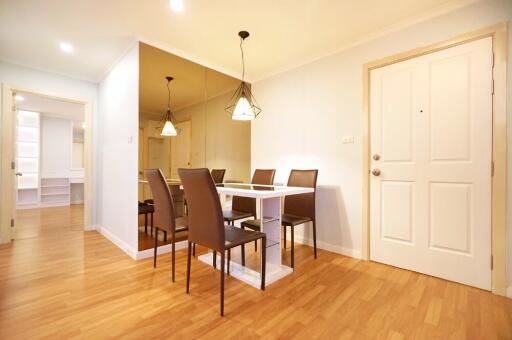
x,y
250,190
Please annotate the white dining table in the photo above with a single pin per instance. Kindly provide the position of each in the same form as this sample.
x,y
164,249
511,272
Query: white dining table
x,y
268,198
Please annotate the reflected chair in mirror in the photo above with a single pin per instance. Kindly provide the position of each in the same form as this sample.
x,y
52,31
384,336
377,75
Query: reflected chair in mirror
x,y
298,209
206,224
164,215
144,209
245,207
218,175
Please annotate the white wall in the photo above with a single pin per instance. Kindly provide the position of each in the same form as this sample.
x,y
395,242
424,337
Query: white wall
x,y
308,110
20,77
118,152
56,142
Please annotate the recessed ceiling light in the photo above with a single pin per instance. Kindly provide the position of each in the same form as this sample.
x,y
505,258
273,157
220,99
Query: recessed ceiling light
x,y
66,47
177,5
19,98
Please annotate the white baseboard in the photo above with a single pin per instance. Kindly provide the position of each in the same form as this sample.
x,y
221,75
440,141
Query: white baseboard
x,y
118,242
509,292
143,254
327,246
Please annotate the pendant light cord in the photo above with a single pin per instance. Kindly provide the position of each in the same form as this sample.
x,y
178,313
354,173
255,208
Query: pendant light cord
x,y
168,96
243,61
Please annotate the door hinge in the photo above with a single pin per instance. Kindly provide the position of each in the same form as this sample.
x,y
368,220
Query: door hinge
x,y
12,222
492,262
13,165
492,59
492,90
492,169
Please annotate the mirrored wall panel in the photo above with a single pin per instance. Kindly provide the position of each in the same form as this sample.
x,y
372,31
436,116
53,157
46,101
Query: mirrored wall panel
x,y
206,134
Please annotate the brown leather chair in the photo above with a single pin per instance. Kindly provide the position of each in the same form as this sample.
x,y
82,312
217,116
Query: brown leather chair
x,y
298,209
218,175
245,207
164,216
206,224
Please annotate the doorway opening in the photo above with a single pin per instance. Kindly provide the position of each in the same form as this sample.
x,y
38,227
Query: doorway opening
x,y
50,165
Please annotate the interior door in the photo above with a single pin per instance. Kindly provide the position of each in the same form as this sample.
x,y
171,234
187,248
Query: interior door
x,y
158,154
180,149
431,141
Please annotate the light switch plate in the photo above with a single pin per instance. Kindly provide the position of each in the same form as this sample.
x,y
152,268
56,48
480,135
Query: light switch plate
x,y
348,140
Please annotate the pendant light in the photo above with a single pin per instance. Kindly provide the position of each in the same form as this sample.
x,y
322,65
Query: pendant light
x,y
243,105
169,128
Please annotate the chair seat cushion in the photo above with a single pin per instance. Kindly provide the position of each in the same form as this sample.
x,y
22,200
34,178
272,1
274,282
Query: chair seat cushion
x,y
146,208
236,236
233,215
286,220
293,220
252,224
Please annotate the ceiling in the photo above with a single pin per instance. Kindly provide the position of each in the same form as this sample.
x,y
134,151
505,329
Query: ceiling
x,y
192,84
284,33
52,107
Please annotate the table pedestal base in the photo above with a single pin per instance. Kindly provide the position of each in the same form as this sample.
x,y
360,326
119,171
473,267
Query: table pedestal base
x,y
247,275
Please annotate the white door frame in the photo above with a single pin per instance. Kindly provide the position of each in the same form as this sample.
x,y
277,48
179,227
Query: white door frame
x,y
499,143
7,141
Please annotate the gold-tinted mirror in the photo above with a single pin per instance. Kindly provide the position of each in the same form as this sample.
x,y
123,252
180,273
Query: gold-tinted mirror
x,y
207,136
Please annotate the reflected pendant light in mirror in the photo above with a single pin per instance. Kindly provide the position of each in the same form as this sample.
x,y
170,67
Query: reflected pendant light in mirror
x,y
243,105
169,128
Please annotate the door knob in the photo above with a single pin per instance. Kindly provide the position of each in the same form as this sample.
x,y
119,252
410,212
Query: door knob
x,y
19,174
376,172
376,157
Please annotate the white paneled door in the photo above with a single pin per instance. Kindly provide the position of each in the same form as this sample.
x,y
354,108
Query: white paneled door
x,y
431,145
180,148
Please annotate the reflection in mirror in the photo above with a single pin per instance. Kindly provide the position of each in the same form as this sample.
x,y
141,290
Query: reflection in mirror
x,y
78,148
208,137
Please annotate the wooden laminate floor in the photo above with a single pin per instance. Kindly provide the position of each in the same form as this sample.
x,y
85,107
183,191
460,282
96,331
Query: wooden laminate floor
x,y
74,284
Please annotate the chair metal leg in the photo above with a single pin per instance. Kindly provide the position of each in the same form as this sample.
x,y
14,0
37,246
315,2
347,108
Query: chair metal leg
x,y
173,258
284,236
293,246
156,246
243,248
194,249
314,236
263,261
229,259
214,259
222,256
243,255
188,267
255,246
145,223
165,236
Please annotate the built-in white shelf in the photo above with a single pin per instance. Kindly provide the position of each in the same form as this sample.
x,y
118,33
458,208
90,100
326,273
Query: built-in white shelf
x,y
55,191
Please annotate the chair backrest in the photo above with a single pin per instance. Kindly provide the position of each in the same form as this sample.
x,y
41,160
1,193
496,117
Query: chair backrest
x,y
218,175
247,204
205,220
303,204
164,216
